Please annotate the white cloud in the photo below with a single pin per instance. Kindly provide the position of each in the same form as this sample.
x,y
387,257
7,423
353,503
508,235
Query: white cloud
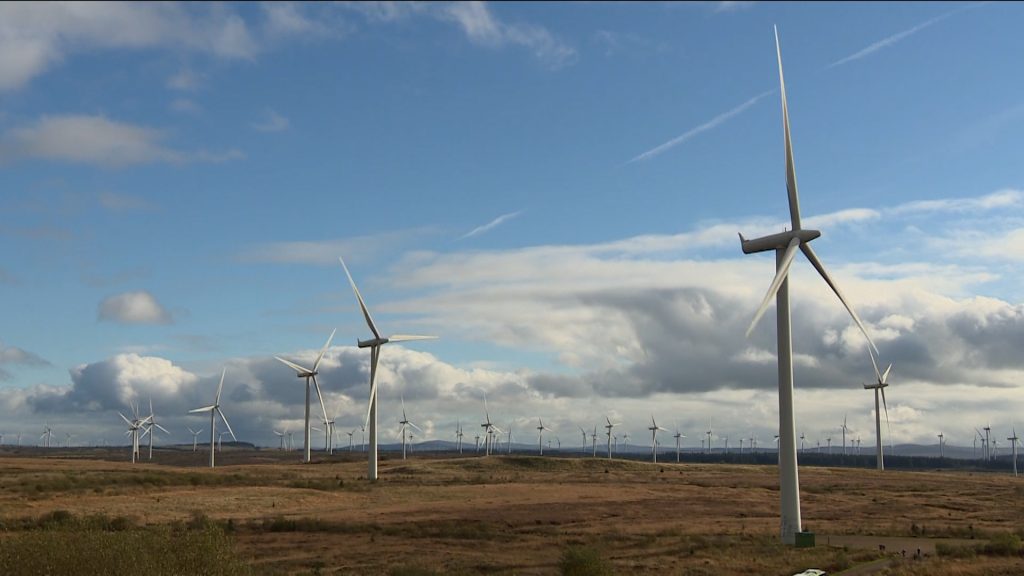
x,y
37,36
732,6
326,252
96,140
133,308
271,122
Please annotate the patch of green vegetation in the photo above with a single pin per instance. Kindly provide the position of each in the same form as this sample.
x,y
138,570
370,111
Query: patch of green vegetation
x,y
60,543
584,561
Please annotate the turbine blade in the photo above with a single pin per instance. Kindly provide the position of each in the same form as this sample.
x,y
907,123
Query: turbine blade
x,y
794,200
220,386
415,426
362,305
320,397
298,369
203,409
127,421
407,337
887,425
324,350
162,428
885,376
780,277
225,419
809,253
874,364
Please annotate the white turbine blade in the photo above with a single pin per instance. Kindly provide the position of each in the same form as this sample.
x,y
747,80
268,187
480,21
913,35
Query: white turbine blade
x,y
324,351
794,200
780,277
874,364
162,428
203,409
144,432
220,386
225,419
809,253
407,337
415,426
320,397
362,305
298,369
151,407
145,420
498,430
127,421
885,375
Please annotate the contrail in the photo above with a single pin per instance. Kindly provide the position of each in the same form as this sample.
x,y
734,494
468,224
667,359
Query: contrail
x,y
885,42
492,224
702,128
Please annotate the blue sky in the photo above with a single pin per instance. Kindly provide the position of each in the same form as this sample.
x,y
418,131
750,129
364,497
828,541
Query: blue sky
x,y
554,189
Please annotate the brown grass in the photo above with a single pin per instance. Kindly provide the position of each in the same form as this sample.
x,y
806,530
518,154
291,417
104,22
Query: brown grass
x,y
519,515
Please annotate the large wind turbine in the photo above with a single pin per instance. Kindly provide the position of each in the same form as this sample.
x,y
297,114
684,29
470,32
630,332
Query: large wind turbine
x,y
654,438
608,430
844,428
679,436
214,409
881,383
374,345
310,374
540,435
785,245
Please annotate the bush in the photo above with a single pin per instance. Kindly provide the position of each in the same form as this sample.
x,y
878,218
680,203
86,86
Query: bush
x,y
1005,544
583,561
952,551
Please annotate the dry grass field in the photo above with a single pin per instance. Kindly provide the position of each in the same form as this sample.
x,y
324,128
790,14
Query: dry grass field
x,y
527,515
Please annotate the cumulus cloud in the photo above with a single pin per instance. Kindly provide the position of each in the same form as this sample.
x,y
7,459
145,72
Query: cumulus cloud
x,y
97,140
133,308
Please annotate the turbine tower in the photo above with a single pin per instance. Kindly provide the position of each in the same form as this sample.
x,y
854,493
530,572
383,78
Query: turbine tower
x,y
679,436
785,245
879,386
310,374
152,424
940,443
214,409
374,345
844,428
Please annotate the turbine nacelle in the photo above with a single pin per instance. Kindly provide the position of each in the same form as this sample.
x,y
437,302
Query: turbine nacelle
x,y
372,342
776,241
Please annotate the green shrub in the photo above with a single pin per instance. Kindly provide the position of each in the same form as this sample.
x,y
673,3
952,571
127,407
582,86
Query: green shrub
x,y
584,561
1005,544
953,551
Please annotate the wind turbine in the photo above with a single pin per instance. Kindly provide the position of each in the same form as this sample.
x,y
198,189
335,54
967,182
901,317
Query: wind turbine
x,y
310,374
654,438
458,434
220,441
488,427
625,441
405,423
879,386
678,436
940,443
276,433
1014,442
195,437
214,409
510,438
540,435
47,433
134,425
785,245
374,345
152,424
844,428
593,439
608,430
988,452
350,435
67,439
584,432
709,436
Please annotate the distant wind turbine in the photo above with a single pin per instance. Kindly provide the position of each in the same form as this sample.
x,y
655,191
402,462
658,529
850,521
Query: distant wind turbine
x,y
405,423
310,374
678,436
195,437
881,383
214,409
654,439
540,435
374,345
785,245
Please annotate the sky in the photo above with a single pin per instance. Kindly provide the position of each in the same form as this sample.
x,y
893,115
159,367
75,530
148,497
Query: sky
x,y
555,190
